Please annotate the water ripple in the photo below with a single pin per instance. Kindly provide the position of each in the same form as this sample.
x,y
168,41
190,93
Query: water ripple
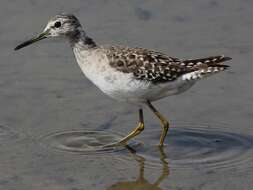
x,y
83,142
205,147
209,148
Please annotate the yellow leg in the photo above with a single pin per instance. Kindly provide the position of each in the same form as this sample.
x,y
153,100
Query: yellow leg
x,y
164,122
136,131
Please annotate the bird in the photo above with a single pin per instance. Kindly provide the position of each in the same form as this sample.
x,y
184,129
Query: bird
x,y
135,75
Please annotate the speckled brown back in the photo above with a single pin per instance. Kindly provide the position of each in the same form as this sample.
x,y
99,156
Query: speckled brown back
x,y
154,66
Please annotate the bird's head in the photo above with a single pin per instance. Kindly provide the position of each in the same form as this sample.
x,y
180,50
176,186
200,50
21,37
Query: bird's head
x,y
62,25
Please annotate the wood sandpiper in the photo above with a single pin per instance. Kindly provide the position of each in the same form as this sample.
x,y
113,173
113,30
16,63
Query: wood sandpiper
x,y
135,75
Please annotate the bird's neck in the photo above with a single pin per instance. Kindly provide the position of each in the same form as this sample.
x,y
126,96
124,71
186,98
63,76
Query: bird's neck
x,y
79,39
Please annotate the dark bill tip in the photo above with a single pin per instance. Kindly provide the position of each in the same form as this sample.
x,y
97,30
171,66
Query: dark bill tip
x,y
24,44
31,41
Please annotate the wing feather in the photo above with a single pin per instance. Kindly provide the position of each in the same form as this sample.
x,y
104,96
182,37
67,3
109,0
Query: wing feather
x,y
157,67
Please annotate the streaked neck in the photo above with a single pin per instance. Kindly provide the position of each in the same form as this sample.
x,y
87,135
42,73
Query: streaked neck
x,y
79,39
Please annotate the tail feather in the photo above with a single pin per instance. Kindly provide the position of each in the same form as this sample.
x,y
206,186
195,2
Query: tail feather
x,y
213,60
200,68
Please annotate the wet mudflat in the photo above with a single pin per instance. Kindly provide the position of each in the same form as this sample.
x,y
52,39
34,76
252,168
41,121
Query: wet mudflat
x,y
54,122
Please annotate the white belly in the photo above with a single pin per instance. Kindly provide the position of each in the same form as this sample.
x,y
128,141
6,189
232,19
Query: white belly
x,y
123,86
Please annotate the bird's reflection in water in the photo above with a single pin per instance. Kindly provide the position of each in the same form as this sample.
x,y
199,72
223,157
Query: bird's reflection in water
x,y
141,183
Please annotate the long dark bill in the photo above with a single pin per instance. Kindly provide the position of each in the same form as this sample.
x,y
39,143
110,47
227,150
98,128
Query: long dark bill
x,y
33,40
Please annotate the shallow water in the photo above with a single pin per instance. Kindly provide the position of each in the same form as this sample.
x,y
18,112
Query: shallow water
x,y
54,123
189,147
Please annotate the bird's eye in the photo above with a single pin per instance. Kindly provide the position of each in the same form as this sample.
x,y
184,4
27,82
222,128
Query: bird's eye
x,y
57,24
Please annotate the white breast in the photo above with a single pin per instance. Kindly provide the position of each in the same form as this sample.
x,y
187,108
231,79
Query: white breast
x,y
96,68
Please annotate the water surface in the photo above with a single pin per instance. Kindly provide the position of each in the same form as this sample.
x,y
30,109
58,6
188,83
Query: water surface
x,y
54,122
